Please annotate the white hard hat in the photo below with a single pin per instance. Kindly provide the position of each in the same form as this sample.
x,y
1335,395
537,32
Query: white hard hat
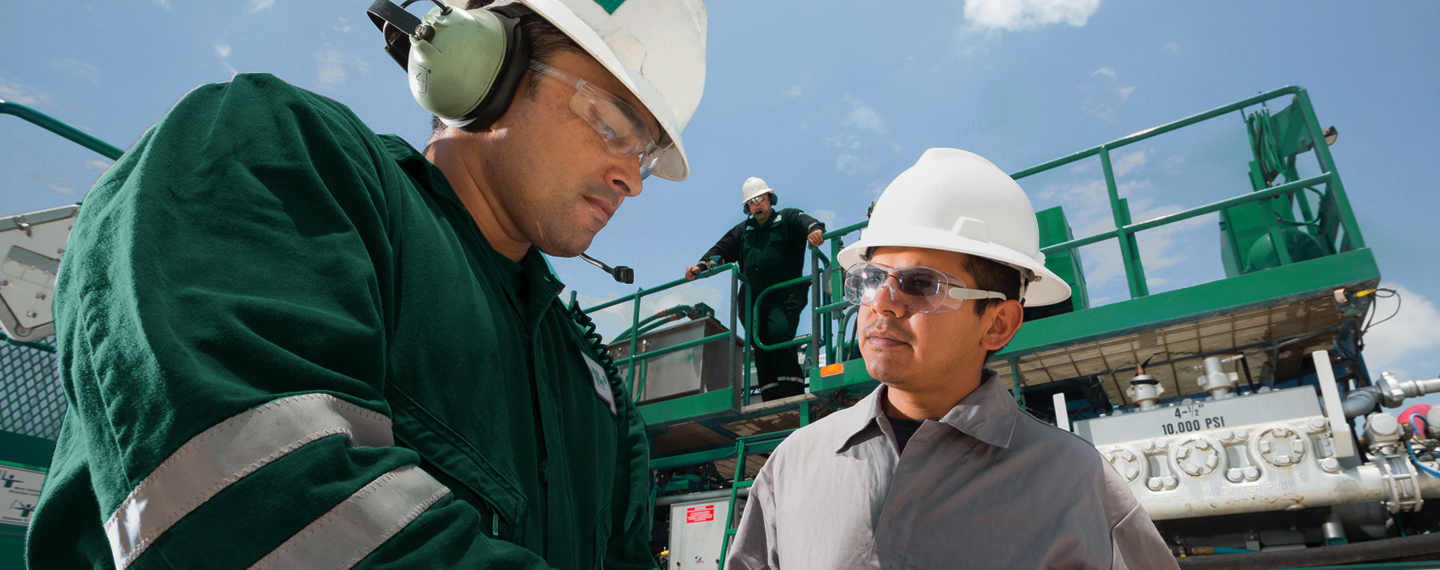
x,y
656,48
955,200
754,187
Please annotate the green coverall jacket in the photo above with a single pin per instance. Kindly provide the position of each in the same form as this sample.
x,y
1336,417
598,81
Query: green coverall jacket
x,y
769,253
285,343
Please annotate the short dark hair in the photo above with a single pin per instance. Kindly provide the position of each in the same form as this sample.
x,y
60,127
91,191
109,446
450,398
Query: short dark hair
x,y
745,208
545,42
991,276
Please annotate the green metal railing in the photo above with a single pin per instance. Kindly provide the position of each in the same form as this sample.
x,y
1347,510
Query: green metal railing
x,y
31,399
53,125
634,356
1125,230
828,334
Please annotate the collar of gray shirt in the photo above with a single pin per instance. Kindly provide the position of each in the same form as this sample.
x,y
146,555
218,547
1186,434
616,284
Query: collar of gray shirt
x,y
987,414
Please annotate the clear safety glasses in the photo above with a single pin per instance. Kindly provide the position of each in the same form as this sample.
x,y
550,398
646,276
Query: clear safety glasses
x,y
918,289
621,127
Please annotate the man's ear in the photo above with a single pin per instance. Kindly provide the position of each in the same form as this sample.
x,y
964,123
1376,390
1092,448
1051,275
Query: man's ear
x,y
1003,320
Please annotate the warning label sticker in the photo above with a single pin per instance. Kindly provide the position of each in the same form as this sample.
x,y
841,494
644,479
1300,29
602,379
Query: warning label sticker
x,y
700,514
19,493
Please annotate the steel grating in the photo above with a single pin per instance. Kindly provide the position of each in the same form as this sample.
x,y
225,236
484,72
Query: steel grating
x,y
32,401
1114,359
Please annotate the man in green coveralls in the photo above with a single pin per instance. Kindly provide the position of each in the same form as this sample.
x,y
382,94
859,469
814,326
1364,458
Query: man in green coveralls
x,y
287,342
770,246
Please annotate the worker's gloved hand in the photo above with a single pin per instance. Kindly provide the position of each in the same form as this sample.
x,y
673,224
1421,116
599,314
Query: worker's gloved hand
x,y
816,238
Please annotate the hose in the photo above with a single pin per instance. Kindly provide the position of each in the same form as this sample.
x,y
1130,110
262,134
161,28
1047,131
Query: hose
x,y
1403,548
1422,466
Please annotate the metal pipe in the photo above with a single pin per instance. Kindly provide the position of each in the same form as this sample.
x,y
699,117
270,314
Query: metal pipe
x,y
755,311
701,496
1359,402
53,125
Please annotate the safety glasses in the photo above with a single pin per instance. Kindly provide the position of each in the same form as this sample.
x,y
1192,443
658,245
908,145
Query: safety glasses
x,y
918,289
755,200
621,127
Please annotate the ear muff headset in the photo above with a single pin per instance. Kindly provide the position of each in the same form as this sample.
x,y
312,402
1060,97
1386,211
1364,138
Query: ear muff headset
x,y
464,65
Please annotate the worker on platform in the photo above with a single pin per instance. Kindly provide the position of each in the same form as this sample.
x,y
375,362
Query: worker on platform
x,y
938,467
288,342
770,247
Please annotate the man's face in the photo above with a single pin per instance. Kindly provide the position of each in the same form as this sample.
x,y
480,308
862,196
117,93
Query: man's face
x,y
920,352
556,183
761,207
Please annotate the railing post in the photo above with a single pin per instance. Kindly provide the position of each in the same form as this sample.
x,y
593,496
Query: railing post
x,y
1015,380
1327,165
634,338
816,337
735,332
1129,252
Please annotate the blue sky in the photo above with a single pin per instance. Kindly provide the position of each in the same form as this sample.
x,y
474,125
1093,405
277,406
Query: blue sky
x,y
828,101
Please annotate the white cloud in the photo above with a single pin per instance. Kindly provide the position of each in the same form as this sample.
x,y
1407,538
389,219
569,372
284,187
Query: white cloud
x,y
1172,165
826,216
1105,100
163,4
1171,47
862,116
80,70
342,25
58,184
96,164
1129,162
793,93
1105,112
851,142
850,163
23,94
257,6
1017,15
332,65
1407,344
222,49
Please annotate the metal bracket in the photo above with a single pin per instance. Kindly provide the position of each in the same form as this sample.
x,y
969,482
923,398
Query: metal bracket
x,y
1401,482
1340,430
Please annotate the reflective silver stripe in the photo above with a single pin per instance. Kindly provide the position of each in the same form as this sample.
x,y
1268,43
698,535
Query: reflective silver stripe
x,y
227,452
351,530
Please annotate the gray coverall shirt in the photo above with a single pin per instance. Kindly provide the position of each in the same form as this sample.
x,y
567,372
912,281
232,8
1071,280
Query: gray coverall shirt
x,y
985,487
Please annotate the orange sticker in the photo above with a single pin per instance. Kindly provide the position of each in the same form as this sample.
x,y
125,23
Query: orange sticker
x,y
832,369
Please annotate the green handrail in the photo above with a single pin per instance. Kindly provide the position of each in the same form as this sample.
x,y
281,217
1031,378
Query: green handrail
x,y
1191,213
755,313
53,125
35,344
639,294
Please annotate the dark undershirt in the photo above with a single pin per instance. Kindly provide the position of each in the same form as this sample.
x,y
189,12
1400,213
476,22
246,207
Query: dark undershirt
x,y
903,430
